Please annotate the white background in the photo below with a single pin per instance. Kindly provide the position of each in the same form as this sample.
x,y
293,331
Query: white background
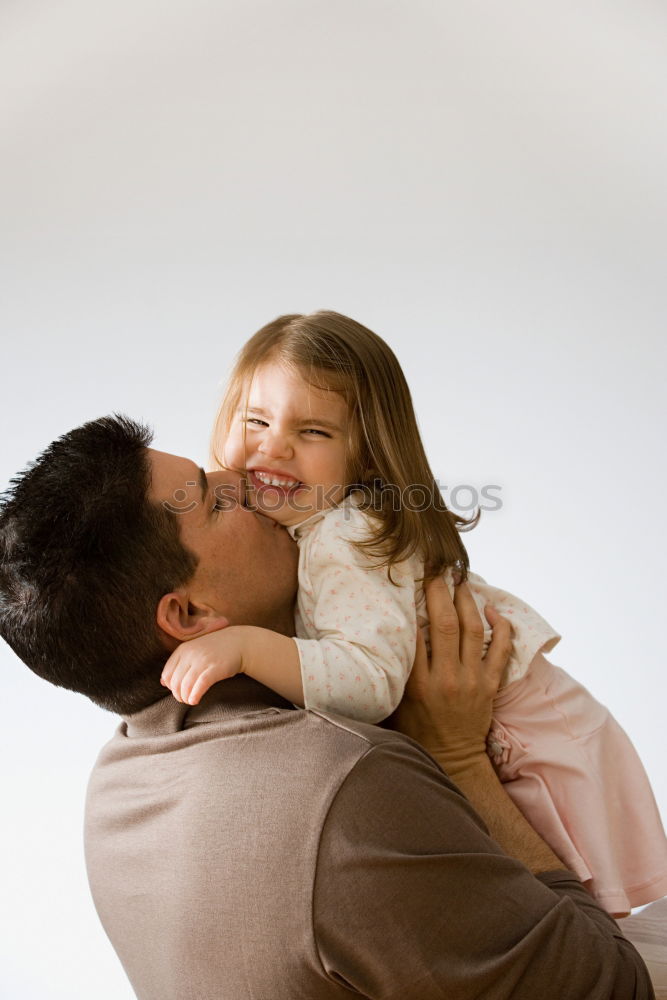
x,y
483,184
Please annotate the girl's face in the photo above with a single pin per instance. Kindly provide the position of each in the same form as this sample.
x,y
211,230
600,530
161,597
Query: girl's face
x,y
295,445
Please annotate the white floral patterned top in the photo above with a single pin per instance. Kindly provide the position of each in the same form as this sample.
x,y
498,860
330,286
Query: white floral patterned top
x,y
357,631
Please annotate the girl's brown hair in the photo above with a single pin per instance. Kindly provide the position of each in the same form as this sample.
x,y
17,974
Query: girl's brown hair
x,y
386,458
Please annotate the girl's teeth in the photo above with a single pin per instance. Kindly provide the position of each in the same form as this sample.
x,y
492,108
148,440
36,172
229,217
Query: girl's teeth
x,y
272,481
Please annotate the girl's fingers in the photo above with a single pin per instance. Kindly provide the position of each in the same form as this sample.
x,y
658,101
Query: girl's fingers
x,y
187,682
168,670
196,682
178,672
472,627
199,688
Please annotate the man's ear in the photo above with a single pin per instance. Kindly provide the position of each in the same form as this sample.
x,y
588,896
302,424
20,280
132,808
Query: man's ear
x,y
179,618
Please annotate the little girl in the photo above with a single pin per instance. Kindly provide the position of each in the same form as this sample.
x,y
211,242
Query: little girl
x,y
319,418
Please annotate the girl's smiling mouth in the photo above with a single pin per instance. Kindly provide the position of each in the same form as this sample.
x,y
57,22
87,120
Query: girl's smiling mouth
x,y
263,478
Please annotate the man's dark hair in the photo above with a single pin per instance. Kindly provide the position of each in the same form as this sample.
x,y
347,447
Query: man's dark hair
x,y
85,556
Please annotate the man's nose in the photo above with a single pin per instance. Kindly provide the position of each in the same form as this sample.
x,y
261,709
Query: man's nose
x,y
227,487
275,444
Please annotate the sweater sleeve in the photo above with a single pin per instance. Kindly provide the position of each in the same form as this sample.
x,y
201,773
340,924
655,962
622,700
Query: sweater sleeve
x,y
414,901
361,628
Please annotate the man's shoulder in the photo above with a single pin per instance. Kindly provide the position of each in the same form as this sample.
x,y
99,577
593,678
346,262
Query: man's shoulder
x,y
294,744
318,739
363,738
362,734
295,762
348,739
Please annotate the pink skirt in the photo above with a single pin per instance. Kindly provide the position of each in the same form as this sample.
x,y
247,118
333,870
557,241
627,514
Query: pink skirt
x,y
575,775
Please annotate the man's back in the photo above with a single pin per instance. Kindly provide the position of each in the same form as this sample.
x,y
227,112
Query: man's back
x,y
202,845
243,849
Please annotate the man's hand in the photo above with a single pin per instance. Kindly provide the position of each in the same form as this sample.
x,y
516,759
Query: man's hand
x,y
447,708
447,702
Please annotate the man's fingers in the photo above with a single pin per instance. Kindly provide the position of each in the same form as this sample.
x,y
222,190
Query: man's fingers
x,y
457,639
418,676
472,627
500,647
444,622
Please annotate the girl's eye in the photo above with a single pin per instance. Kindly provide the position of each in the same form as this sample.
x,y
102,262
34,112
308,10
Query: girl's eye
x,y
257,421
313,430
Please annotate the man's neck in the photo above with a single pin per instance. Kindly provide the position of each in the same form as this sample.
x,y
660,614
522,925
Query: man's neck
x,y
282,622
234,696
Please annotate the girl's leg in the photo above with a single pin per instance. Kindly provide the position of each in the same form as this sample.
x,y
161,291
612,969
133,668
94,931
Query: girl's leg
x,y
576,776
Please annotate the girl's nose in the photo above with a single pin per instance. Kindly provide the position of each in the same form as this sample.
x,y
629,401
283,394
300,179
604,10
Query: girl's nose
x,y
275,445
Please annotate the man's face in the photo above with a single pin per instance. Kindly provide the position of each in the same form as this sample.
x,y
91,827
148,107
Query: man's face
x,y
247,562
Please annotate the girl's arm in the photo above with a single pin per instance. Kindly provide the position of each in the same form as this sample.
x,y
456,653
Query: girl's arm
x,y
361,632
273,660
268,657
357,630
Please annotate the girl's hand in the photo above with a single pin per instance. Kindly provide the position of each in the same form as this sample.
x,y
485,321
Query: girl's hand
x,y
198,663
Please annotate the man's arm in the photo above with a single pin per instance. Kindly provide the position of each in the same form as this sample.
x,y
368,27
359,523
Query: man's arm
x,y
470,910
414,901
447,709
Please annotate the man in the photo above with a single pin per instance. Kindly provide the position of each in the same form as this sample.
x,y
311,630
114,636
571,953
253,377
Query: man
x,y
244,848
